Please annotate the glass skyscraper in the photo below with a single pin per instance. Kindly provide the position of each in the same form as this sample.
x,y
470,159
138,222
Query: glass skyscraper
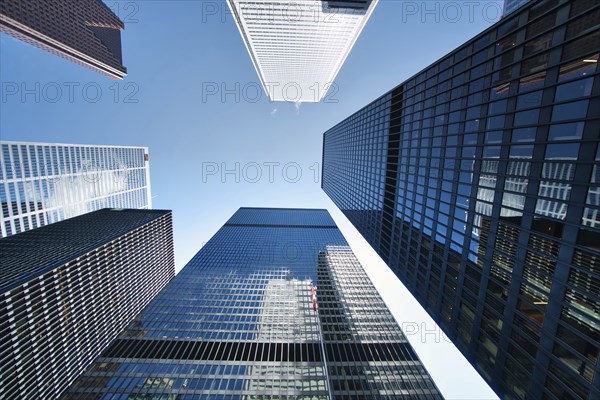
x,y
298,47
478,182
42,183
67,290
86,32
275,305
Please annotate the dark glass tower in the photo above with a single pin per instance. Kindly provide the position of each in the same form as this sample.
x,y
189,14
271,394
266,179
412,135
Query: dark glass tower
x,y
478,182
86,32
239,322
68,288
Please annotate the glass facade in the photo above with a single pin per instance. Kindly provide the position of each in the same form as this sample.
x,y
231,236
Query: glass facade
x,y
477,182
68,289
42,183
86,32
240,322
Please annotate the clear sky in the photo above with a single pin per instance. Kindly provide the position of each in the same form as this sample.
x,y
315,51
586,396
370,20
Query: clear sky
x,y
213,153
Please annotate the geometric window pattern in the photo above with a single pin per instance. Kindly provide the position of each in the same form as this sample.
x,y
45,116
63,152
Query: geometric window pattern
x,y
69,288
477,182
238,322
85,32
298,48
42,183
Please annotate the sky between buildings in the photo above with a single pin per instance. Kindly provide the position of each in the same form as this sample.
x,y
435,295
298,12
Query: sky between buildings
x,y
216,141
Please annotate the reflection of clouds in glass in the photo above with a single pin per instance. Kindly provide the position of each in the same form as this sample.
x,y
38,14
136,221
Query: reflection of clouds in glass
x,y
286,313
31,194
553,209
553,193
515,202
74,194
591,214
45,183
554,189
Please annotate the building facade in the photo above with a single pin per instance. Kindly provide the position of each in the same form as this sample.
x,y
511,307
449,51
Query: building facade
x,y
275,305
86,32
511,6
42,183
477,181
298,47
69,288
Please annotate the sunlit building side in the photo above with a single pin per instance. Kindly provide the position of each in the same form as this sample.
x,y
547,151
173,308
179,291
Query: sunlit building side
x,y
42,183
298,47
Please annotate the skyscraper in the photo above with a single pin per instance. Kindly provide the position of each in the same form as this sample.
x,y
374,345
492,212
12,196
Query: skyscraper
x,y
298,47
69,288
274,305
477,181
42,183
86,32
511,6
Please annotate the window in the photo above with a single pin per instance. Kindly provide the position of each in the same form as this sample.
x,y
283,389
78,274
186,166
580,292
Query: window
x,y
508,26
500,91
562,151
535,64
481,43
521,151
579,68
493,137
579,6
491,152
496,122
586,23
527,117
524,135
574,90
575,110
541,8
561,132
497,107
502,76
541,25
586,44
532,82
538,44
505,59
533,99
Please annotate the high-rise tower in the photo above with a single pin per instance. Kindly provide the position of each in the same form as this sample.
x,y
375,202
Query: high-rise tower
x,y
274,305
478,182
86,32
298,47
67,289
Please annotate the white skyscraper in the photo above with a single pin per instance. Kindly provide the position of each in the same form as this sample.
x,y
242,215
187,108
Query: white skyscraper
x,y
42,183
298,47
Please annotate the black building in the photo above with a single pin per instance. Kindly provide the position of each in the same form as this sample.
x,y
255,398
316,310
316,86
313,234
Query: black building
x,y
478,182
86,32
68,288
240,322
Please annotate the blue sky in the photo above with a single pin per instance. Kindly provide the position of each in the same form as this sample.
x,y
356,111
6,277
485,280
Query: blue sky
x,y
209,154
